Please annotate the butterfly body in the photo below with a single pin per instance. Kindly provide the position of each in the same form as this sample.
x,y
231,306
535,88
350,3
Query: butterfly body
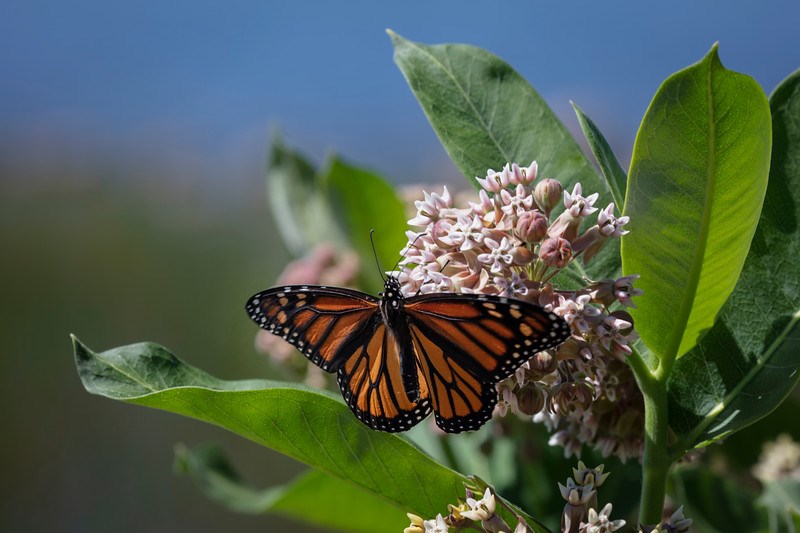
x,y
398,358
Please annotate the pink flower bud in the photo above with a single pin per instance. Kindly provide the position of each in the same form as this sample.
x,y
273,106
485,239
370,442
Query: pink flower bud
x,y
555,252
548,194
542,364
532,226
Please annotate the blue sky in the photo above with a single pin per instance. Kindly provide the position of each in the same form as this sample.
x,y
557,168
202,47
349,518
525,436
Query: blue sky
x,y
206,81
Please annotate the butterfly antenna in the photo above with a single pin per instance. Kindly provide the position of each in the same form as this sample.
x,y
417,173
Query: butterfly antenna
x,y
407,248
375,254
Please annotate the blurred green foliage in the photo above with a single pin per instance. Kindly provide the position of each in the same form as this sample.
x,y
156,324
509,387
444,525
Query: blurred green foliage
x,y
122,254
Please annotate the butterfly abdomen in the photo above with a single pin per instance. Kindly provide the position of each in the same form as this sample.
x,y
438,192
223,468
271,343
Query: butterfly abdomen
x,y
397,324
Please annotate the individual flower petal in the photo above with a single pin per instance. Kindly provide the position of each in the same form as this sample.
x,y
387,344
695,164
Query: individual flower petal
x,y
417,524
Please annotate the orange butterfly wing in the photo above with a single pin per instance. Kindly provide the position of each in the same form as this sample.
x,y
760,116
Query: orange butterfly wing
x,y
371,381
341,330
323,323
464,344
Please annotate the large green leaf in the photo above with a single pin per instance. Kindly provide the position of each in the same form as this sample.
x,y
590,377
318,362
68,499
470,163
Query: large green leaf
x,y
487,115
312,497
748,362
298,202
363,201
311,426
695,189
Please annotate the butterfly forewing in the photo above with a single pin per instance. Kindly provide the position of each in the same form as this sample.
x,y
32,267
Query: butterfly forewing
x,y
489,336
323,323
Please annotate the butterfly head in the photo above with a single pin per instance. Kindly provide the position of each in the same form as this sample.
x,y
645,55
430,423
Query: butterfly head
x,y
392,295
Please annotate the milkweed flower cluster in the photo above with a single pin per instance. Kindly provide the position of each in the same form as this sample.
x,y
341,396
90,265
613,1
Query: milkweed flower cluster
x,y
513,242
479,514
580,512
580,515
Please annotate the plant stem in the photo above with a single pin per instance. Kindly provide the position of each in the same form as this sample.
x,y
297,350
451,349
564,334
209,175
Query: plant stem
x,y
656,460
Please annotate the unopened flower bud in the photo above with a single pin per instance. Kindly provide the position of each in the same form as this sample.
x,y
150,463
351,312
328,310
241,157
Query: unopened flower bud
x,y
569,397
542,363
530,399
532,226
548,194
555,252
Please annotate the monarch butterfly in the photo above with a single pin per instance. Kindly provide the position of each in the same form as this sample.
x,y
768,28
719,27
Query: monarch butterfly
x,y
397,358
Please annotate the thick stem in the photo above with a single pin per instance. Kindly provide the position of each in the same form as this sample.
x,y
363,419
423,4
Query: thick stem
x,y
656,460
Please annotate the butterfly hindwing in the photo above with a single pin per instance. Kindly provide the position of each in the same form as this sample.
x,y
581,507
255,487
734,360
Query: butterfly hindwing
x,y
323,323
371,381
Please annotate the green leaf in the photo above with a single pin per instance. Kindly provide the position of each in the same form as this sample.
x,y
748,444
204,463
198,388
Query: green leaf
x,y
616,178
312,497
311,426
748,362
486,115
695,189
297,199
363,202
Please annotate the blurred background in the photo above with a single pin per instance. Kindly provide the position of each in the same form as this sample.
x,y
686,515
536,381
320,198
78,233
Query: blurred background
x,y
133,139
